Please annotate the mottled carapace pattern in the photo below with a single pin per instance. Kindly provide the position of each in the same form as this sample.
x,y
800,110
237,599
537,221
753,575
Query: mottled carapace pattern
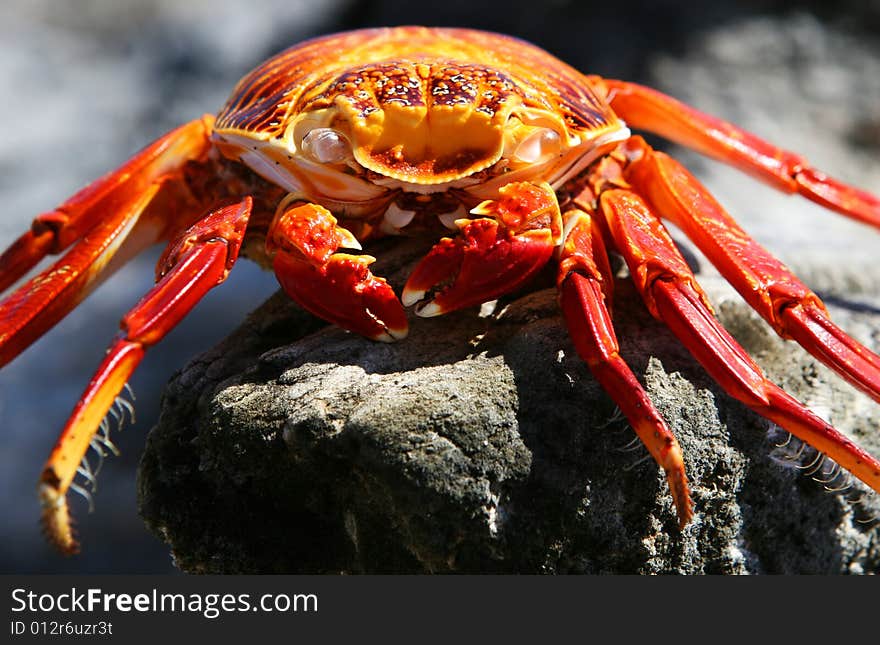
x,y
388,81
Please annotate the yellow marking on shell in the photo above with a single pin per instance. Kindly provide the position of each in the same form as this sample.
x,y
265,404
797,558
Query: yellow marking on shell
x,y
425,145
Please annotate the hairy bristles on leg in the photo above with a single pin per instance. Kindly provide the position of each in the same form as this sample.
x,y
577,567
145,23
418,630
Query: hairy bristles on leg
x,y
102,437
616,416
799,452
786,442
788,451
98,443
791,452
76,488
56,519
94,445
638,462
125,404
633,445
105,442
828,477
116,414
841,488
814,466
794,453
85,469
869,513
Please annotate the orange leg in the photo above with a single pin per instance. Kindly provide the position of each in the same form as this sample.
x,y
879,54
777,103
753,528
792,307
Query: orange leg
x,y
106,221
193,264
647,109
673,296
582,281
337,287
766,284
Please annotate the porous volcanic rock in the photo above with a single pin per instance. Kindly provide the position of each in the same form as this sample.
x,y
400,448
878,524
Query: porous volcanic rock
x,y
482,444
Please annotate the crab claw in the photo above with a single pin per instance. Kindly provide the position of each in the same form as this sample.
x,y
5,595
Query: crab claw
x,y
344,291
490,257
338,287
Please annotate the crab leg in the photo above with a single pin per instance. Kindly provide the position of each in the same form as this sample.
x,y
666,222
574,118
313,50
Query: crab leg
x,y
582,279
766,284
197,261
493,255
338,287
672,295
644,108
107,219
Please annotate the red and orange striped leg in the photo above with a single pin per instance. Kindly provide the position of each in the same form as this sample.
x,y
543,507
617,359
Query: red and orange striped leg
x,y
582,279
106,222
647,109
672,295
197,261
764,282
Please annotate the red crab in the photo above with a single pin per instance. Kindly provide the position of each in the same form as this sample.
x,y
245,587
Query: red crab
x,y
419,131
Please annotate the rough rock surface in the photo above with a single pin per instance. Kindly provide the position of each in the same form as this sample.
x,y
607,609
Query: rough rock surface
x,y
483,444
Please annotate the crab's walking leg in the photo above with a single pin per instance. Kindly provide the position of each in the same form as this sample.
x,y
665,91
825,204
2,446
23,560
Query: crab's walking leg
x,y
644,108
766,284
192,264
337,287
583,276
673,296
492,255
105,221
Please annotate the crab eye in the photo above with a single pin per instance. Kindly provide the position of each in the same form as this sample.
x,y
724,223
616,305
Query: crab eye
x,y
540,145
326,145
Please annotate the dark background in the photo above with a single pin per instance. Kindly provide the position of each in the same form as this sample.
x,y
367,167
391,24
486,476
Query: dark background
x,y
88,82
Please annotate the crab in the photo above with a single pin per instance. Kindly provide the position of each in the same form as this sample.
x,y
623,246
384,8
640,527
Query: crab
x,y
506,155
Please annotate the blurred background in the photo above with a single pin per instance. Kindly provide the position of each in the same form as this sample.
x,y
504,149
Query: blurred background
x,y
86,83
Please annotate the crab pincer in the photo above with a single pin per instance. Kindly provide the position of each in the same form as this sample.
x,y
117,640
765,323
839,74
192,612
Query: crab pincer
x,y
492,255
338,287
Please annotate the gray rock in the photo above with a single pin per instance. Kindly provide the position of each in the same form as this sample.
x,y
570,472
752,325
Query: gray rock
x,y
483,444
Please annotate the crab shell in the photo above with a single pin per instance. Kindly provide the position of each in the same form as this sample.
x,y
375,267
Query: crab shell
x,y
420,107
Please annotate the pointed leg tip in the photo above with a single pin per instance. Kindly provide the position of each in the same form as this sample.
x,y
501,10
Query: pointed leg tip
x,y
681,494
55,519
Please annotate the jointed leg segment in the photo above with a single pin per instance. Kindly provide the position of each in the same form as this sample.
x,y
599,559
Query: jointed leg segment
x,y
647,109
196,262
672,295
764,282
582,298
104,222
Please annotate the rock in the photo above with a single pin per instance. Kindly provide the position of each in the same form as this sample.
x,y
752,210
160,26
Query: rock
x,y
482,444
